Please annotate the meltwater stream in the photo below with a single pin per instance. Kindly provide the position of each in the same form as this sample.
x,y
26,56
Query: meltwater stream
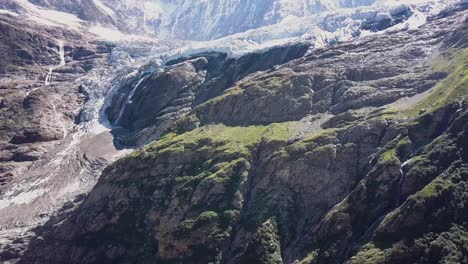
x,y
48,79
73,167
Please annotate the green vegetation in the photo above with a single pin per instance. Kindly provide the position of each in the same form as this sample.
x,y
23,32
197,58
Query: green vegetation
x,y
396,151
201,178
207,217
453,88
403,148
389,157
327,135
236,90
236,138
274,83
320,142
186,123
430,226
229,217
264,247
310,258
203,170
368,254
204,218
259,100
432,189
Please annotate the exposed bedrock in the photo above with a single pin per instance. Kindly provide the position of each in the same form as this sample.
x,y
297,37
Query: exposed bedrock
x,y
370,72
34,117
246,176
147,106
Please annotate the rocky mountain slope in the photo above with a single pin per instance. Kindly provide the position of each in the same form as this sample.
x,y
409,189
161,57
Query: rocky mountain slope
x,y
37,124
205,20
32,122
353,153
194,20
53,81
186,83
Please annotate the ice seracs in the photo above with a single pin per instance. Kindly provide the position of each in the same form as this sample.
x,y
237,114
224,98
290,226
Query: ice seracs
x,y
236,26
321,30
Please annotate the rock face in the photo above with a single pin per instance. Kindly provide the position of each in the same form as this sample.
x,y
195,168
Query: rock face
x,y
34,116
166,95
245,174
23,50
45,160
88,10
210,20
359,77
194,20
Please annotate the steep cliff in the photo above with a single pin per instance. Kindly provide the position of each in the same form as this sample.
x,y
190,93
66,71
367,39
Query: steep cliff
x,y
195,20
353,153
35,116
165,95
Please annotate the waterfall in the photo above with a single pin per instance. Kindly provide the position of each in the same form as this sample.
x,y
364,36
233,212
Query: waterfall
x,y
48,79
401,182
129,99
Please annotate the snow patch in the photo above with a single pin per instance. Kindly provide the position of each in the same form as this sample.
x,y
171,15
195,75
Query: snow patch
x,y
57,19
290,19
152,10
22,198
50,17
416,20
116,35
8,12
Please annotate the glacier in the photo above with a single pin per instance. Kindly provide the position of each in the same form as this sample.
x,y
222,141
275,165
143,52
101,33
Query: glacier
x,y
325,28
207,20
232,26
147,34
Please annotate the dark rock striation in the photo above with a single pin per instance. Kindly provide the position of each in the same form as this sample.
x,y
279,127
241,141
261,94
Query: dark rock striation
x,y
245,177
147,106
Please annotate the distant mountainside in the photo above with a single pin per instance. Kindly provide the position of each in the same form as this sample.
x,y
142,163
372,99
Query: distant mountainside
x,y
204,20
351,153
189,19
233,132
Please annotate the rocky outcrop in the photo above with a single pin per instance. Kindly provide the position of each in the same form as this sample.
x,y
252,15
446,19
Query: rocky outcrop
x,y
193,19
428,225
34,116
20,46
47,155
161,104
383,21
145,107
87,10
238,181
361,76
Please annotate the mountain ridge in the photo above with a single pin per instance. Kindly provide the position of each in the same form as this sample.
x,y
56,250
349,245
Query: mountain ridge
x,y
334,138
365,186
